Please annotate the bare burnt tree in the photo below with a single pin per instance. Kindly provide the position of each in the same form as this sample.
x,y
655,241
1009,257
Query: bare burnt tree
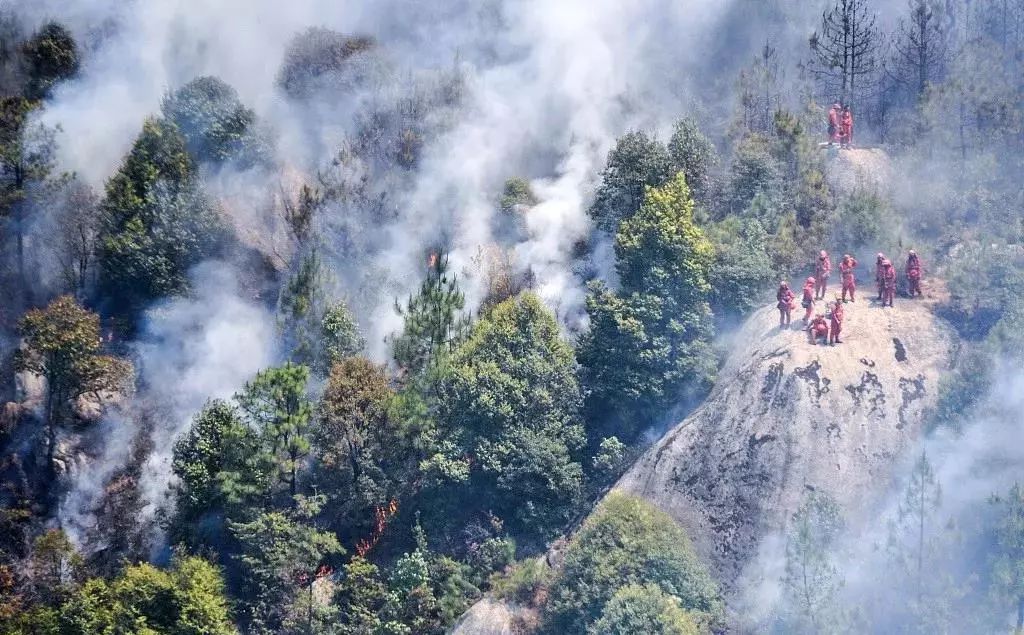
x,y
760,93
844,58
78,225
920,48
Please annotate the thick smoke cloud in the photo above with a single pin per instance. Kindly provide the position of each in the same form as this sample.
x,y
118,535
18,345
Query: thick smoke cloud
x,y
192,349
548,89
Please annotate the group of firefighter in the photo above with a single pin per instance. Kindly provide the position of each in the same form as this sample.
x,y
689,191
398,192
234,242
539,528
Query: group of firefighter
x,y
829,325
840,125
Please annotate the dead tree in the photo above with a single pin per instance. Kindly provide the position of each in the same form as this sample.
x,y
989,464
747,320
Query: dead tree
x,y
920,48
760,92
844,58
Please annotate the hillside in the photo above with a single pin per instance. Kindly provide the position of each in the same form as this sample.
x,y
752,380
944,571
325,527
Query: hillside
x,y
787,418
784,419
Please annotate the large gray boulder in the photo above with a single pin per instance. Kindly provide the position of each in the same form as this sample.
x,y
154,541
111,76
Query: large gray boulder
x,y
786,418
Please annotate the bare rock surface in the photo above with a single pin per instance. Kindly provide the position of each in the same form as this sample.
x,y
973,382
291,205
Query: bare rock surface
x,y
858,168
787,417
487,617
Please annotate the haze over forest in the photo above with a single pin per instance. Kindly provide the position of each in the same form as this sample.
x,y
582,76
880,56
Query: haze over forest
x,y
398,317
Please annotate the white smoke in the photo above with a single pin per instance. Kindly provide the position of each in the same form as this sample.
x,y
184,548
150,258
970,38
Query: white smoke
x,y
549,87
192,349
984,457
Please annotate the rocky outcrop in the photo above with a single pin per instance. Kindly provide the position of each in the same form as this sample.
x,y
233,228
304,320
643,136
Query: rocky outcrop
x,y
786,418
488,617
858,169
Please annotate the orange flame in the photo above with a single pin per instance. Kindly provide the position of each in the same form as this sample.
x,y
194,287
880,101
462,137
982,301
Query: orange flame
x,y
382,514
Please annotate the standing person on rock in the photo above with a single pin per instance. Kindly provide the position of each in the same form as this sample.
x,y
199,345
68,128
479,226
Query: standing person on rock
x,y
835,114
888,283
786,301
879,260
836,325
807,302
821,274
817,329
913,273
847,269
846,123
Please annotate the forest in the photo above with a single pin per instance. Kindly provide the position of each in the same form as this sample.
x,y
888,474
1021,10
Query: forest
x,y
339,319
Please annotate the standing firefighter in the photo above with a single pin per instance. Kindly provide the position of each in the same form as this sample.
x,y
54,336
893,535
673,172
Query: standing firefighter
x,y
888,283
879,260
817,329
846,124
821,274
835,115
786,299
807,301
847,269
913,274
836,326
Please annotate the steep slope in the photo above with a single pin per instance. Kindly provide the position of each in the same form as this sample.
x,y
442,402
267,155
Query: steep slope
x,y
787,417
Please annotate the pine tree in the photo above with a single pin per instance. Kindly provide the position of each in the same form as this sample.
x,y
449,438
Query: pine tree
x,y
920,48
844,54
434,322
1008,560
918,548
812,580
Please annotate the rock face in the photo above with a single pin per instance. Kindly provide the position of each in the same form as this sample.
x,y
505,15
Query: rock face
x,y
858,168
487,617
787,417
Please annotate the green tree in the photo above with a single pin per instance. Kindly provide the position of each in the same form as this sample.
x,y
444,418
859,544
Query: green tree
x,y
1008,560
661,251
647,608
217,443
515,194
512,399
216,126
339,336
812,581
155,222
62,344
743,266
694,155
56,567
281,556
362,459
301,306
187,599
627,541
919,548
755,170
649,345
433,319
277,410
433,589
366,605
634,164
51,56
